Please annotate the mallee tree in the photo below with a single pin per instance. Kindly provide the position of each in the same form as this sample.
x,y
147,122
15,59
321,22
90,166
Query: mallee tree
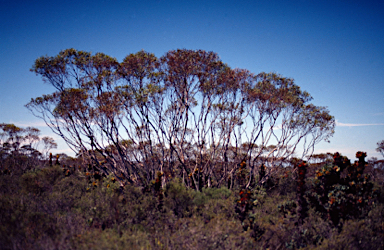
x,y
185,114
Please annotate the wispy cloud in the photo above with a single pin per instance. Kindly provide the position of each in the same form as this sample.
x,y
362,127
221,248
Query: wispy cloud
x,y
30,124
340,124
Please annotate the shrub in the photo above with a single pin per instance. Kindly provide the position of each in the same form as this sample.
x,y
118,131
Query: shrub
x,y
46,208
341,190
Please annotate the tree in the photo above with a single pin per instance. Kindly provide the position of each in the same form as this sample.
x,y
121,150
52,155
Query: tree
x,y
16,140
48,144
380,147
186,113
19,147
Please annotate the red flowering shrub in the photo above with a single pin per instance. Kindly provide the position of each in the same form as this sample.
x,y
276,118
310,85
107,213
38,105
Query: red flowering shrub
x,y
341,190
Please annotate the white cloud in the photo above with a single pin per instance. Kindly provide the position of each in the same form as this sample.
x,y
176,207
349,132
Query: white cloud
x,y
30,124
340,124
66,151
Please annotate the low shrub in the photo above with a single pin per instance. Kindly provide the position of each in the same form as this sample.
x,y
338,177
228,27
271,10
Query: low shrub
x,y
53,208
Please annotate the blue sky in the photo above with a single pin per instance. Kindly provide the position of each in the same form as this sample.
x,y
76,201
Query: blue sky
x,y
333,49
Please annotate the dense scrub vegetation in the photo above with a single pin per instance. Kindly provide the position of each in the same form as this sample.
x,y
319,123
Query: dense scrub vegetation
x,y
70,205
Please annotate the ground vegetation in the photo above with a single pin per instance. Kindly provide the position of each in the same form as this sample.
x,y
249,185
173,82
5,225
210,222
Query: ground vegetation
x,y
72,205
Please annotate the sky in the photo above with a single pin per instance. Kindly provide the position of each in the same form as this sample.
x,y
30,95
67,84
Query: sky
x,y
333,49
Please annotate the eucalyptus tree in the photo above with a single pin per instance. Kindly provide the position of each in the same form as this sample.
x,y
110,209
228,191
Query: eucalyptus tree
x,y
196,84
14,139
281,119
21,148
380,147
85,110
186,113
140,93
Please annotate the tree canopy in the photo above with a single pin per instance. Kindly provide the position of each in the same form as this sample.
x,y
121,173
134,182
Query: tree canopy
x,y
380,147
184,114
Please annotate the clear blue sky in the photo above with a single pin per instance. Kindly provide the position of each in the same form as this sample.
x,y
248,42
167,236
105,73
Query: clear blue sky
x,y
333,49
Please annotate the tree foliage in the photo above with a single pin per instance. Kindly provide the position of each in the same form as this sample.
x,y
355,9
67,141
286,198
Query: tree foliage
x,y
22,147
380,147
184,114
